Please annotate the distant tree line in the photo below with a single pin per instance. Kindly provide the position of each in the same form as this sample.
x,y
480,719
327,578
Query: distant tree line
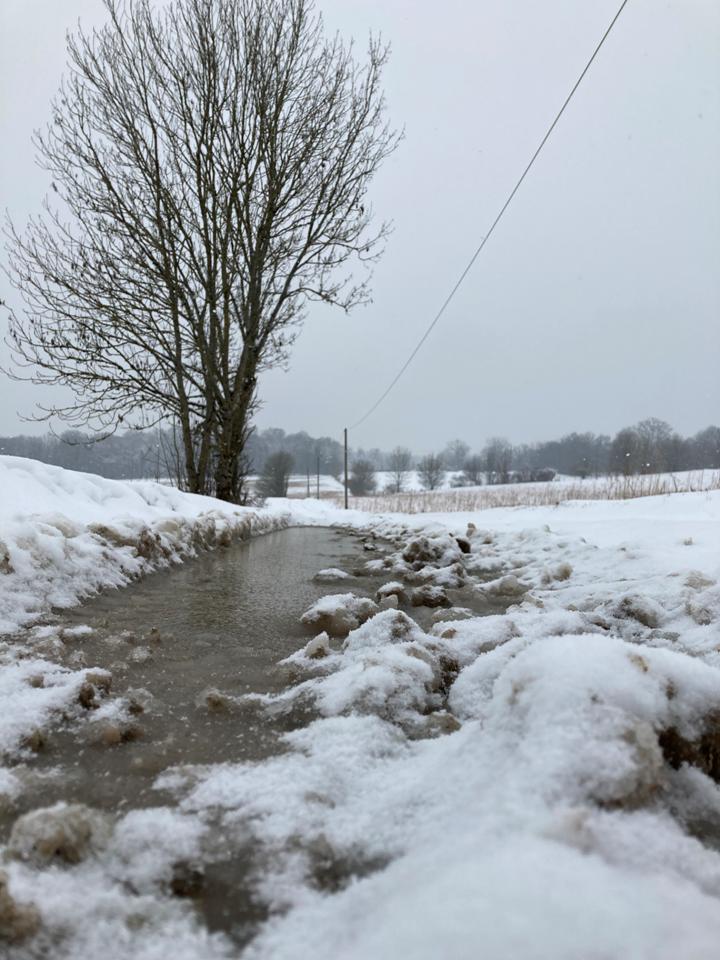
x,y
651,446
154,454
124,456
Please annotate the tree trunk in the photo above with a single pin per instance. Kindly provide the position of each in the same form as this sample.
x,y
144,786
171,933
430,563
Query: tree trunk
x,y
229,467
196,450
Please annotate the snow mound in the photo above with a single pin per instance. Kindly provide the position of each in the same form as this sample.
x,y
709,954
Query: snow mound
x,y
546,806
32,692
331,575
64,833
338,614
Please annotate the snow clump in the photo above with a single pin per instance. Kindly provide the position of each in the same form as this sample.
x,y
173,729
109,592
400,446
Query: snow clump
x,y
67,833
338,614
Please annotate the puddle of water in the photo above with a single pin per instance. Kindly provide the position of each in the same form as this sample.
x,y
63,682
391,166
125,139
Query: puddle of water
x,y
224,621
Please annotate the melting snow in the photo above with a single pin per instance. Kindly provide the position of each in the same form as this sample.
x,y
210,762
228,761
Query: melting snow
x,y
541,783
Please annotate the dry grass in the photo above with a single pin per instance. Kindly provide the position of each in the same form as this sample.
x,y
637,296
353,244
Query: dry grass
x,y
469,500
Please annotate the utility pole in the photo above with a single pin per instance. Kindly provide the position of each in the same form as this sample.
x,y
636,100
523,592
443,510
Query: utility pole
x,y
318,477
346,477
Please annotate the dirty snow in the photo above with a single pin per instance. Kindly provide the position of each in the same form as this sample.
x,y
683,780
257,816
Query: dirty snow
x,y
538,783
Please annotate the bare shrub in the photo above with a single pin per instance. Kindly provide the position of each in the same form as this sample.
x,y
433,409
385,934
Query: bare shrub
x,y
399,465
498,456
275,476
362,478
431,471
472,475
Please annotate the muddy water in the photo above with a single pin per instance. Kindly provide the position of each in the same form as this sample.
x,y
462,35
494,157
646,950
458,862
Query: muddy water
x,y
222,623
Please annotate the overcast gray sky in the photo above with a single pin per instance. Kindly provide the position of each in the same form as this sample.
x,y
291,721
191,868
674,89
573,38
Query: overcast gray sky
x,y
597,301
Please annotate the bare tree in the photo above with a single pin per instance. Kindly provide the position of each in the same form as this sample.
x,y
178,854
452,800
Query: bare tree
x,y
455,454
472,474
362,478
431,471
497,456
656,441
399,465
703,450
651,446
275,476
211,161
626,453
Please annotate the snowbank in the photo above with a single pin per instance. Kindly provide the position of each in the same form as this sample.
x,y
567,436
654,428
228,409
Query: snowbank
x,y
66,535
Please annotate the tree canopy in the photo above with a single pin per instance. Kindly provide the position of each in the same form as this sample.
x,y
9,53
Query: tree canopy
x,y
210,162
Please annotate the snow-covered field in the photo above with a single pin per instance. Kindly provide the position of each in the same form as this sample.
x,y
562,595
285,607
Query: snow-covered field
x,y
538,784
451,498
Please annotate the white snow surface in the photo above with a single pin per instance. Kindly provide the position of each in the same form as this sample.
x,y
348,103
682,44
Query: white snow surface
x,y
683,479
494,788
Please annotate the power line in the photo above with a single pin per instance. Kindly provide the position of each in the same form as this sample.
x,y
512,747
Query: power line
x,y
495,222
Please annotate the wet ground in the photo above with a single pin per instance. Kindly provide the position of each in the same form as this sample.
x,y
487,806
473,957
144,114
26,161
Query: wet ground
x,y
218,623
183,645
